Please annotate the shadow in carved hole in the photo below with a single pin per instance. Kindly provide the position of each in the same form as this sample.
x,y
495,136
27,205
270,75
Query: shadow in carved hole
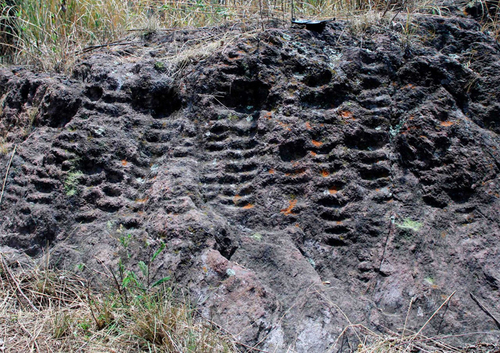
x,y
94,93
460,195
366,139
318,78
159,101
334,241
246,95
292,151
327,98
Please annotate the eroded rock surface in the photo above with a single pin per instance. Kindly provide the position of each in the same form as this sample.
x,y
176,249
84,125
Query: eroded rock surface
x,y
297,178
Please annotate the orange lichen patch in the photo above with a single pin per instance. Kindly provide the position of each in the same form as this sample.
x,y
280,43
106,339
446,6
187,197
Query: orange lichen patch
x,y
308,125
317,143
297,225
443,234
346,114
288,210
142,200
377,190
411,117
271,171
248,206
267,115
339,222
236,199
447,123
205,269
314,154
324,173
124,163
299,171
409,86
284,126
333,190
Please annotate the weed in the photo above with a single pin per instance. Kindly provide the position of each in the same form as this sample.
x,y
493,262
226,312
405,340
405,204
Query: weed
x,y
71,182
257,236
394,131
131,283
160,66
409,224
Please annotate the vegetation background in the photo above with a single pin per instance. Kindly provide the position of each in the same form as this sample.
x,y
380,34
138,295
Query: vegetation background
x,y
51,34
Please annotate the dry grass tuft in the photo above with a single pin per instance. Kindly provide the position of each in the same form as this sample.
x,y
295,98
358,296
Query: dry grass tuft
x,y
56,311
403,342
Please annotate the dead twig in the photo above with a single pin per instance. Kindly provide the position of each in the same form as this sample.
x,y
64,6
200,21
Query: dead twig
x,y
486,311
113,44
7,173
414,337
121,291
11,278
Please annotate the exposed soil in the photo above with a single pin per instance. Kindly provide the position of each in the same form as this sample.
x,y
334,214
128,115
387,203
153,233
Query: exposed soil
x,y
297,177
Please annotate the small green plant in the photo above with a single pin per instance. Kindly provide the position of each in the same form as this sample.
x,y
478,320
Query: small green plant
x,y
71,182
409,224
131,283
394,131
160,66
85,325
257,236
232,117
430,281
124,239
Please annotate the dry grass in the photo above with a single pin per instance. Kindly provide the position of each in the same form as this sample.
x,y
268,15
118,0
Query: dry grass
x,y
398,342
53,311
49,35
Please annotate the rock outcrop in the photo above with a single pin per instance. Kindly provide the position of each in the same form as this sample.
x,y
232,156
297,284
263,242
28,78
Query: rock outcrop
x,y
299,179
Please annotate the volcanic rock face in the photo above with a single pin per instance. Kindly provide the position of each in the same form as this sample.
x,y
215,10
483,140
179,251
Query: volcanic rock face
x,y
297,178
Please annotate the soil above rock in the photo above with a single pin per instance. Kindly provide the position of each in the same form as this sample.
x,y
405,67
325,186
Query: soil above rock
x,y
298,178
